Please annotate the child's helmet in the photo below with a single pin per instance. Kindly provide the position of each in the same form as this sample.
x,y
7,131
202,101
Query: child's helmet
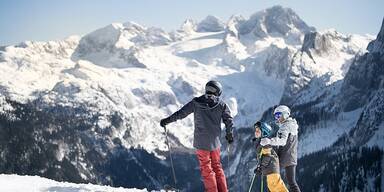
x,y
266,130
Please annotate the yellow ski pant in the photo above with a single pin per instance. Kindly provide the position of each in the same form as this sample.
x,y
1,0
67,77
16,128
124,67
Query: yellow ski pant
x,y
275,183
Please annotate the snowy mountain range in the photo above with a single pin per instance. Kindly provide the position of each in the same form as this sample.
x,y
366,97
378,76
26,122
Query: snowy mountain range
x,y
87,109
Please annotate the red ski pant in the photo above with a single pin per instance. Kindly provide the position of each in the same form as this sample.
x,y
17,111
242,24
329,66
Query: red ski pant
x,y
211,170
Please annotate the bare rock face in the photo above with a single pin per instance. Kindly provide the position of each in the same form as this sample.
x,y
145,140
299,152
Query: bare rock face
x,y
365,76
210,24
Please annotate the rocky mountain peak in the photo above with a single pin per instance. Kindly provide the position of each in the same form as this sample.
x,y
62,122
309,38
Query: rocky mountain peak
x,y
210,24
276,20
378,44
189,26
315,41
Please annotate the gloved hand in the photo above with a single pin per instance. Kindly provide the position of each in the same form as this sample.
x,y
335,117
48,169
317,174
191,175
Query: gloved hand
x,y
265,141
257,170
229,137
164,122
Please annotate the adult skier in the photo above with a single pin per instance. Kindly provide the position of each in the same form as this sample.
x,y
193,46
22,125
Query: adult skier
x,y
286,141
208,110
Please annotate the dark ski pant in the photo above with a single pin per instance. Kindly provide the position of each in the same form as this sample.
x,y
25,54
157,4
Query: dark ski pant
x,y
211,170
290,174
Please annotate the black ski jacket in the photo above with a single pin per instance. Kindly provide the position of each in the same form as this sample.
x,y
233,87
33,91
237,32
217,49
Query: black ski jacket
x,y
208,113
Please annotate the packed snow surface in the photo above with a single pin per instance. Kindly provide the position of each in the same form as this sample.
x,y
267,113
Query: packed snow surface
x,y
17,183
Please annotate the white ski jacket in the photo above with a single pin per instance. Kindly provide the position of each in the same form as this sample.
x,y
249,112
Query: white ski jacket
x,y
285,142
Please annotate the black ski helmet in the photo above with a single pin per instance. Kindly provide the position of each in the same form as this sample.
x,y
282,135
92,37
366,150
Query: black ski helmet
x,y
213,87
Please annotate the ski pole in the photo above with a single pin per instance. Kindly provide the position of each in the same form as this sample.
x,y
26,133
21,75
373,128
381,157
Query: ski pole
x,y
170,156
228,151
261,184
261,175
254,174
253,179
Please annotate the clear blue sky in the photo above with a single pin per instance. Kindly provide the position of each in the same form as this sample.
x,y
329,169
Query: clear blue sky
x,y
44,20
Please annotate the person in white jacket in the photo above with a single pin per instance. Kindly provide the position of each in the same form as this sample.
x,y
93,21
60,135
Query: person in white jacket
x,y
285,142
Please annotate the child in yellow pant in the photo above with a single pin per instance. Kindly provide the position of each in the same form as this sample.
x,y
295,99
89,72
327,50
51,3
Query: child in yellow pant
x,y
268,160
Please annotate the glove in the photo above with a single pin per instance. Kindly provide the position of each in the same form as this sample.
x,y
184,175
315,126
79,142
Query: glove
x,y
257,170
164,122
229,137
265,141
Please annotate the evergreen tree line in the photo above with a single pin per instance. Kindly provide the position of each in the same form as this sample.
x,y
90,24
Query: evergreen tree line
x,y
341,169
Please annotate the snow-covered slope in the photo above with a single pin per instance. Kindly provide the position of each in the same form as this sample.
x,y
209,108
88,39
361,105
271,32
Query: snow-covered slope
x,y
17,183
119,45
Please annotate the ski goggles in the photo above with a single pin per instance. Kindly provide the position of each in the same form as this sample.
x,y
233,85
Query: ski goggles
x,y
211,90
210,95
277,115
